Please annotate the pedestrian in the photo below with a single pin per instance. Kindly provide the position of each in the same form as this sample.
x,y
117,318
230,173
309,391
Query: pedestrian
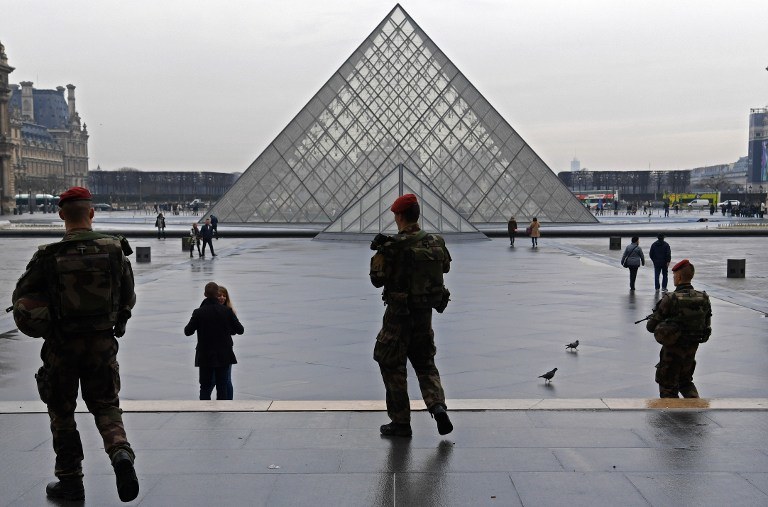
x,y
632,259
215,324
410,267
160,224
666,208
533,232
206,233
89,277
661,255
215,225
680,322
512,229
194,240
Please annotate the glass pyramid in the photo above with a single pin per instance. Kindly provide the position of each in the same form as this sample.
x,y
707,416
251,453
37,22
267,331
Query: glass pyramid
x,y
370,214
398,100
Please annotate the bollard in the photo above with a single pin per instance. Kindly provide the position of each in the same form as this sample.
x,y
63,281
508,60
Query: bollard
x,y
737,268
143,254
185,243
614,243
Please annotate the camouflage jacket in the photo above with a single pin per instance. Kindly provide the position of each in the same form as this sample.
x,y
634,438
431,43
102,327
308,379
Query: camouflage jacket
x,y
73,290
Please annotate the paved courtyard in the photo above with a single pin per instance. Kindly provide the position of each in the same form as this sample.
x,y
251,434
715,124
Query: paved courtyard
x,y
311,316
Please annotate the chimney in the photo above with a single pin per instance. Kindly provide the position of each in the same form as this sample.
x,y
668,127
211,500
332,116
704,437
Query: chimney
x,y
71,100
27,101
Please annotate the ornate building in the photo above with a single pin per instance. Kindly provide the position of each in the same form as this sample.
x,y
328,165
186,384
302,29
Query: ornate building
x,y
6,144
43,146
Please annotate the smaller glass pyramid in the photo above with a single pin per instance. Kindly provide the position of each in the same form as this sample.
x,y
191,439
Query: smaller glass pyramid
x,y
370,214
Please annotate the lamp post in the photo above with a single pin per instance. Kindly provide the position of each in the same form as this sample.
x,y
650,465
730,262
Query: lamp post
x,y
140,199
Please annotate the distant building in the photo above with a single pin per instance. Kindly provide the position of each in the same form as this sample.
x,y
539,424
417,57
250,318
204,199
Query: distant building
x,y
43,146
757,171
6,145
575,165
51,151
720,177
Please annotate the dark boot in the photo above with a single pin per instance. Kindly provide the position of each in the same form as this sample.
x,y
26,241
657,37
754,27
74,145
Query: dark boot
x,y
125,476
444,425
66,489
689,391
396,430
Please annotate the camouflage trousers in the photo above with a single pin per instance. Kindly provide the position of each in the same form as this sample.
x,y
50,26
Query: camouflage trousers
x,y
90,361
674,373
407,338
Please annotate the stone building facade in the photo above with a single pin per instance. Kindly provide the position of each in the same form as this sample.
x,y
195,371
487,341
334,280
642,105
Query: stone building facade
x,y
6,142
43,143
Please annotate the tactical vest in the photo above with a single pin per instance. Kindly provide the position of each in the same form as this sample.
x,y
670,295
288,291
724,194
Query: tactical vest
x,y
414,271
84,279
690,311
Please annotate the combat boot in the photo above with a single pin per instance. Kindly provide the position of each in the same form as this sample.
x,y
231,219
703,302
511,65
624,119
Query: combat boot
x,y
394,429
66,489
689,391
444,425
125,476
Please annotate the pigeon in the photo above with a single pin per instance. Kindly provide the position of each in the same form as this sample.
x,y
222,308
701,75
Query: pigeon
x,y
572,345
548,376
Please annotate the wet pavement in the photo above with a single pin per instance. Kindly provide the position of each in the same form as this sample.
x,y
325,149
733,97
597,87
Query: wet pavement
x,y
311,317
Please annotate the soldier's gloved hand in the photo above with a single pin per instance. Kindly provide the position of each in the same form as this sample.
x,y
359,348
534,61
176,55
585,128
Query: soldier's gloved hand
x,y
119,329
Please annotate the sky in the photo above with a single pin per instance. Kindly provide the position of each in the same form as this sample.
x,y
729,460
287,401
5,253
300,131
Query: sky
x,y
198,86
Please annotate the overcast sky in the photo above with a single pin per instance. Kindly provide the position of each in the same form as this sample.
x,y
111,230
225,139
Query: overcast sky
x,y
193,85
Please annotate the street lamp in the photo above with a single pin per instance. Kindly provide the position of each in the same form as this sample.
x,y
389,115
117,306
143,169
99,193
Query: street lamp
x,y
140,199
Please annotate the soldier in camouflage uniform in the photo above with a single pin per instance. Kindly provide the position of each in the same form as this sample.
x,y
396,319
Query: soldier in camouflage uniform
x,y
77,294
680,322
410,266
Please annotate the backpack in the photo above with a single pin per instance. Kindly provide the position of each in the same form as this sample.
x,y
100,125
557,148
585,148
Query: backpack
x,y
691,313
84,279
414,271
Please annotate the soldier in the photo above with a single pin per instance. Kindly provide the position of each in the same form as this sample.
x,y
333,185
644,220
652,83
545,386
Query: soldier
x,y
410,267
77,294
680,322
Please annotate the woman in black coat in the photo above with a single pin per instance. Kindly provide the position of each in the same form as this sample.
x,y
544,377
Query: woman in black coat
x,y
215,324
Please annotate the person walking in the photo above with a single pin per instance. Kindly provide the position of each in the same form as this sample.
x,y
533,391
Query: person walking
x,y
632,259
90,278
194,240
215,324
533,232
512,229
207,234
661,255
410,267
160,224
680,322
215,225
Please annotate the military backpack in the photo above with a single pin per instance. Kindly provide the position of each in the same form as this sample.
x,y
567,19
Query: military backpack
x,y
411,269
686,320
84,279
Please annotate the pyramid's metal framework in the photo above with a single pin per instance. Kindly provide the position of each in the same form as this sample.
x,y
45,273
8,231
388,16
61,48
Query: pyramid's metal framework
x,y
398,100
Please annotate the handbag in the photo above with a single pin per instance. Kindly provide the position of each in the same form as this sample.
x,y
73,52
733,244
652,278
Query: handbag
x,y
528,231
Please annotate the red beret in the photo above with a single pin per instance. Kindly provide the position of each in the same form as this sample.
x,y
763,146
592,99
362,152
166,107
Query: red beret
x,y
75,194
680,265
404,202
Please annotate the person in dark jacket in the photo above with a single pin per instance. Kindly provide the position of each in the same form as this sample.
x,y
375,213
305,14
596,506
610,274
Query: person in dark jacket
x,y
512,229
207,234
661,255
632,259
214,355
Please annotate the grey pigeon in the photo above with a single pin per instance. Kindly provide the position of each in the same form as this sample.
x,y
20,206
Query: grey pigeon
x,y
572,345
548,376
